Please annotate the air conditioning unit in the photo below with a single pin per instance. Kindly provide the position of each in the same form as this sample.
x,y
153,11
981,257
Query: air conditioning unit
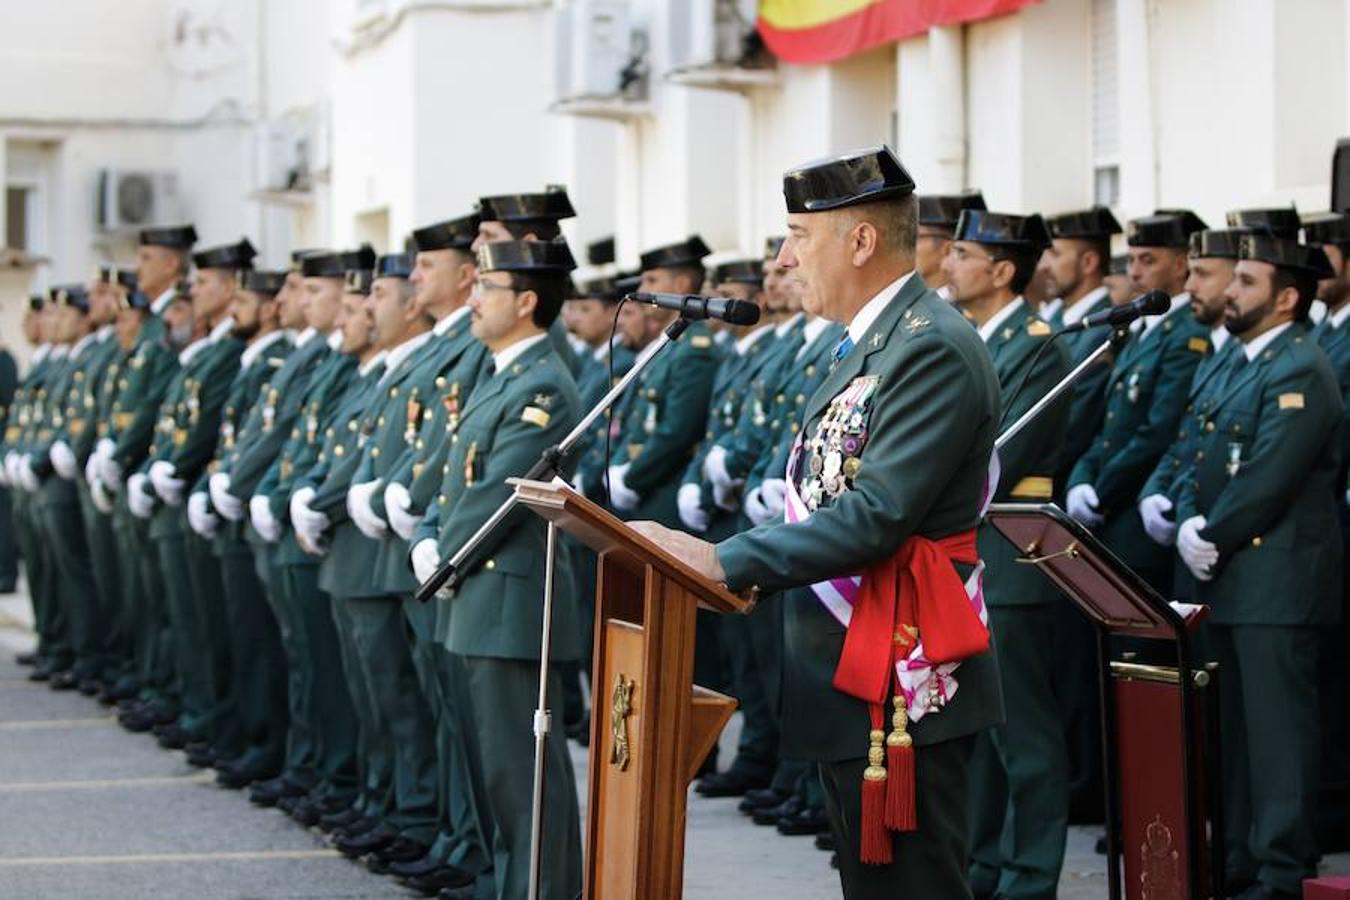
x,y
594,43
129,199
707,33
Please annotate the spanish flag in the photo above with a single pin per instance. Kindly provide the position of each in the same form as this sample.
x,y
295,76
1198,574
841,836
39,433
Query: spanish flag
x,y
821,31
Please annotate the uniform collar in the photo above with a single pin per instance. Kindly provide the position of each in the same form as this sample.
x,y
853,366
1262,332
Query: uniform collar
x,y
162,302
810,331
188,353
1218,337
106,332
502,359
82,343
744,344
395,358
1151,322
1256,345
786,325
1338,317
222,330
872,309
1083,305
255,349
60,351
306,335
41,352
445,324
1051,308
990,328
366,367
334,340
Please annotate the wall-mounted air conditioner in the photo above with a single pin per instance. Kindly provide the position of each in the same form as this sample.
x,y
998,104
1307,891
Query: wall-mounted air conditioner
x,y
135,198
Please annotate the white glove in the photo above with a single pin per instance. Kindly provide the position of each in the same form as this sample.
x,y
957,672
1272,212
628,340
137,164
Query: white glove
x,y
308,524
139,501
260,514
773,491
624,498
715,468
358,507
64,461
102,499
169,488
4,470
754,507
689,503
110,471
91,469
397,503
200,517
27,477
1082,505
1162,529
1198,554
227,504
425,559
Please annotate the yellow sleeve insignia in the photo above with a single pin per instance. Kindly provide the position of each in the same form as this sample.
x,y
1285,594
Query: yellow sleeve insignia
x,y
1038,328
535,416
1291,401
700,341
1198,344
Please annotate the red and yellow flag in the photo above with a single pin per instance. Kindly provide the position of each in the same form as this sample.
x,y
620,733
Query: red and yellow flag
x,y
819,31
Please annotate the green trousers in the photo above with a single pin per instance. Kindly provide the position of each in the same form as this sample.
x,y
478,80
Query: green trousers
x,y
9,556
302,753
1271,739
224,727
42,587
504,694
1020,792
258,675
190,660
114,644
374,746
930,862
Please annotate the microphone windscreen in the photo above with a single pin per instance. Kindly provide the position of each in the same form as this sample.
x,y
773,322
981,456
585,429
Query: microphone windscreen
x,y
1155,303
741,312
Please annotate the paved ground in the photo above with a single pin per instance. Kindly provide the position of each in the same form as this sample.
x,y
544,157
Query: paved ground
x,y
88,810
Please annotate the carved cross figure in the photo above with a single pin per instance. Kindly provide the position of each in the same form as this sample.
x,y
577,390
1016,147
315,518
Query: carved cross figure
x,y
621,707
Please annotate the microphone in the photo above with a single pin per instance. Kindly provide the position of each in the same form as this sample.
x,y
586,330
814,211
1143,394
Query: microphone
x,y
694,306
1154,303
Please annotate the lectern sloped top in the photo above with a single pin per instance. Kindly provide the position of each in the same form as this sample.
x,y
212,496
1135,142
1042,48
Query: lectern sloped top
x,y
1105,589
604,532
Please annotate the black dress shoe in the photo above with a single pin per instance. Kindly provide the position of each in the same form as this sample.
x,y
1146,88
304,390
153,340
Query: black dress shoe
x,y
64,681
456,893
340,819
306,812
761,798
402,850
203,756
43,671
377,838
136,721
172,736
357,828
810,820
729,784
427,863
27,659
825,841
267,793
117,691
788,808
90,687
446,877
234,777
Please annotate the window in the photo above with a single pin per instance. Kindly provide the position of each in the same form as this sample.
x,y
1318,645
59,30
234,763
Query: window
x,y
1105,105
16,217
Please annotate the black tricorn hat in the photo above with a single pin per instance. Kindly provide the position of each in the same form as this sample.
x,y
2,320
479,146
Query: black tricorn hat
x,y
1003,229
103,273
394,265
1165,228
1217,243
1327,228
126,278
627,282
605,289
1286,254
452,234
545,257
1085,224
942,210
601,252
259,281
298,256
136,299
357,281
36,302
740,271
70,295
177,237
337,263
551,204
1280,221
688,252
773,245
859,176
226,256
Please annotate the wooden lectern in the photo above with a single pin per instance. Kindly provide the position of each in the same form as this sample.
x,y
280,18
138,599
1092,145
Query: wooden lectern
x,y
1159,711
651,726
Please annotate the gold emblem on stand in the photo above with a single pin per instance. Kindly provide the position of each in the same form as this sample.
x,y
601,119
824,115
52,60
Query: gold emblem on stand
x,y
1161,877
621,707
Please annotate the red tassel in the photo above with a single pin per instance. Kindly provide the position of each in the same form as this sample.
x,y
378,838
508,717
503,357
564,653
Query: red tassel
x,y
875,847
901,812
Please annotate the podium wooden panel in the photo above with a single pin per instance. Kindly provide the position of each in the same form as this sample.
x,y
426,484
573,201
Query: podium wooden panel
x,y
650,725
1159,712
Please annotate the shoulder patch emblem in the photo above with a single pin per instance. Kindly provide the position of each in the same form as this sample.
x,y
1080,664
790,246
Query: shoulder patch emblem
x,y
700,341
543,401
1198,344
535,416
1038,328
914,323
1291,401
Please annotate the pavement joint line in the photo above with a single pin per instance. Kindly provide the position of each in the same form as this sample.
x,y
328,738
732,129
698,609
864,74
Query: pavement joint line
x,y
40,724
153,858
16,787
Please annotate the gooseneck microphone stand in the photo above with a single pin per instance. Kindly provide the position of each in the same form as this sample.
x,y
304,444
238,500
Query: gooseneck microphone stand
x,y
450,573
1114,342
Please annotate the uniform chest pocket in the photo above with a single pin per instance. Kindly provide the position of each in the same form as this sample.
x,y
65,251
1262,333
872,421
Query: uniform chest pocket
x,y
1232,432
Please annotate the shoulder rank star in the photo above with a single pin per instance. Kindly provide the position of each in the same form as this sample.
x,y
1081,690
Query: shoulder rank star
x,y
914,323
543,401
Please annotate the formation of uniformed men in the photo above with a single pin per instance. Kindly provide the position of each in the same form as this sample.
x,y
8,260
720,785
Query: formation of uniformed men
x,y
226,484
